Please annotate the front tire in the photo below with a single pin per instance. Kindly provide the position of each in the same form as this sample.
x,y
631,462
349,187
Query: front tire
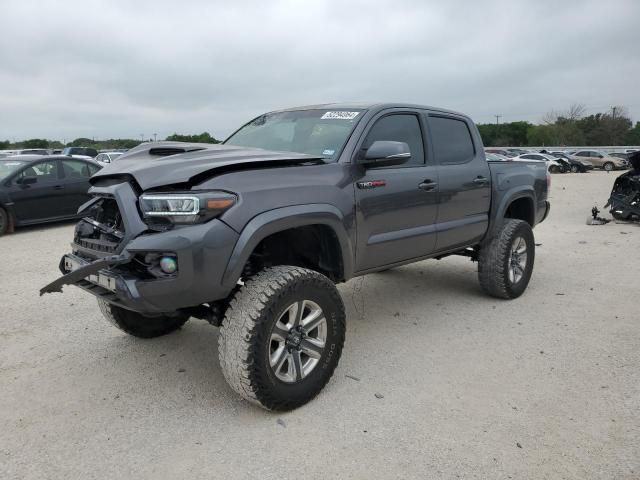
x,y
554,169
4,221
574,169
137,324
282,337
608,166
505,264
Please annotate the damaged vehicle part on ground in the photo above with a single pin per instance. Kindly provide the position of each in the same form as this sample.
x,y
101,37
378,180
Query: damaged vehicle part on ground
x,y
253,234
625,194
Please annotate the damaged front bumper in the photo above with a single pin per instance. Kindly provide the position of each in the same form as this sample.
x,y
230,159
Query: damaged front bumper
x,y
202,252
77,271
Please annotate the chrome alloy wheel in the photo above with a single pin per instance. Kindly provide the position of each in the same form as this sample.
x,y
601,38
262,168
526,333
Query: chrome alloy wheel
x,y
517,260
297,341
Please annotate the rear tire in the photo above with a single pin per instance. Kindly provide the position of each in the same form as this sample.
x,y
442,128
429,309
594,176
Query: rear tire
x,y
505,264
608,166
137,324
4,221
268,329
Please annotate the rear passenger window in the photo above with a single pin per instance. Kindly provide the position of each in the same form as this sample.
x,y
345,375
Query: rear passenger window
x,y
399,128
451,139
75,169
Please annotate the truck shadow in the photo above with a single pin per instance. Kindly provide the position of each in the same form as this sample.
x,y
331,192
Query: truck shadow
x,y
183,368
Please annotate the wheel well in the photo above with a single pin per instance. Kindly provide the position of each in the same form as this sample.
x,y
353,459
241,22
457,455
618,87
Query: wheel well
x,y
521,209
311,246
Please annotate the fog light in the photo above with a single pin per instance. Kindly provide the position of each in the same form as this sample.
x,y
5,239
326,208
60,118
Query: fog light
x,y
169,264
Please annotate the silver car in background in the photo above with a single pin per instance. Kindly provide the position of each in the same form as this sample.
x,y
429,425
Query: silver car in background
x,y
601,160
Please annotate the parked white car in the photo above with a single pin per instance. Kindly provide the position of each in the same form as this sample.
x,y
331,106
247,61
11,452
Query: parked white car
x,y
553,166
107,157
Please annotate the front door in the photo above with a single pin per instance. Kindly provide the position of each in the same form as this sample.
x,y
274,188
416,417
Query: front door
x,y
396,207
39,200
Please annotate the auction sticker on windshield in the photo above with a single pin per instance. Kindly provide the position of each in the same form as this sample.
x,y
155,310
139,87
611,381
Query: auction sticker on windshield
x,y
339,115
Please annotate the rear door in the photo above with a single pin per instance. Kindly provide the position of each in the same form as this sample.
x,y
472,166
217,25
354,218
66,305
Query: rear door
x,y
396,207
464,180
40,200
75,179
587,155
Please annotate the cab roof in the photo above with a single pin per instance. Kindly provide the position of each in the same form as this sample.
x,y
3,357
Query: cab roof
x,y
374,106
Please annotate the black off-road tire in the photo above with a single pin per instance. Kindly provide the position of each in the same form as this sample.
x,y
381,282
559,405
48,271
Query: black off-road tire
x,y
4,221
609,167
245,336
494,258
137,324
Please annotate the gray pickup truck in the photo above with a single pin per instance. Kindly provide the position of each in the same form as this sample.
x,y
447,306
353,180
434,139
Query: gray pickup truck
x,y
253,234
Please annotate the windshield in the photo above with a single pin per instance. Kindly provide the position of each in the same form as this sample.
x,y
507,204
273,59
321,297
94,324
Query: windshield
x,y
320,133
7,167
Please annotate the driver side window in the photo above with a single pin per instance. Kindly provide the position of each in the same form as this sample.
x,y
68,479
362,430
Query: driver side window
x,y
43,171
399,128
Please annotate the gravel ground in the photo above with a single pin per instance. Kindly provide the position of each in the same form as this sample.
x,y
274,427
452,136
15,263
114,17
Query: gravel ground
x,y
436,379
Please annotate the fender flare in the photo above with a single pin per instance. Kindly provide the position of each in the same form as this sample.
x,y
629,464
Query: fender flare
x,y
280,219
515,193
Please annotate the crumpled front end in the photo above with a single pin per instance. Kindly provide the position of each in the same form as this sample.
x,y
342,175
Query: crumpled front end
x,y
117,257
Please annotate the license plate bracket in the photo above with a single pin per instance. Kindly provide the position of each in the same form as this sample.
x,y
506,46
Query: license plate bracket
x,y
100,278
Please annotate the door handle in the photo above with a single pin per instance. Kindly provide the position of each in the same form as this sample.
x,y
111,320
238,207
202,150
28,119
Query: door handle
x,y
428,185
481,180
58,187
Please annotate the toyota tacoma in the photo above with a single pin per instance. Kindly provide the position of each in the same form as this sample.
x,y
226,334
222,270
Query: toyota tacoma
x,y
253,234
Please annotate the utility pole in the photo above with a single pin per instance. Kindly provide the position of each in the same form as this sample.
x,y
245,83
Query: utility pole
x,y
497,125
155,137
613,112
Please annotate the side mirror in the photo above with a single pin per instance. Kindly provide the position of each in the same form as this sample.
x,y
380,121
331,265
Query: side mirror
x,y
385,153
27,180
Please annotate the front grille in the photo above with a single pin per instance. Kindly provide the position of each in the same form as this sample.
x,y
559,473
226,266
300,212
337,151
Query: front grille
x,y
100,231
97,244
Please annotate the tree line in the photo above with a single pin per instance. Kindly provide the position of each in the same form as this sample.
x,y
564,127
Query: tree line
x,y
108,144
568,127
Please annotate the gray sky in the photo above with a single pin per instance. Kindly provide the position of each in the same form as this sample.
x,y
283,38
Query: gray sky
x,y
121,68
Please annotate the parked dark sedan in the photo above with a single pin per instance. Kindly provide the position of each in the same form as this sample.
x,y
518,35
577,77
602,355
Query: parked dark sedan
x,y
37,189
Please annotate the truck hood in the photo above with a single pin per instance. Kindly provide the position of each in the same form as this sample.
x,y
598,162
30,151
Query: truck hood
x,y
160,164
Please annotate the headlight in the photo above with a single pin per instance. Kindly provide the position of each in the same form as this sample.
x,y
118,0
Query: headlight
x,y
188,207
